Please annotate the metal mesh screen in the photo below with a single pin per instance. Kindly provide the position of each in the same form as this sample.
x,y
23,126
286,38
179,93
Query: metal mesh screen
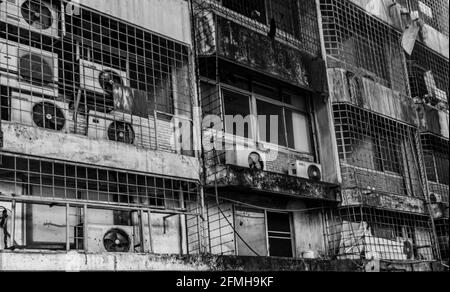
x,y
433,12
295,22
442,230
368,233
91,74
61,181
428,73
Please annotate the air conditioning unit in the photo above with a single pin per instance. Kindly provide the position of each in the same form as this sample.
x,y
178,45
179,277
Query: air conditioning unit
x,y
307,170
119,127
40,112
98,78
28,69
38,16
247,158
107,238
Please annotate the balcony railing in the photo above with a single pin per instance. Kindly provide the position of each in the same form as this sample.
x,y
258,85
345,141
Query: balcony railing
x,y
225,33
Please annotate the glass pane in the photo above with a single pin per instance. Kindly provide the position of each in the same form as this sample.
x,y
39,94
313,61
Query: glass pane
x,y
271,130
298,131
389,154
237,109
279,228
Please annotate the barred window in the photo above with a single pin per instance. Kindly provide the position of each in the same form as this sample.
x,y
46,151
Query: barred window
x,y
428,73
295,20
95,75
283,12
436,158
363,233
56,180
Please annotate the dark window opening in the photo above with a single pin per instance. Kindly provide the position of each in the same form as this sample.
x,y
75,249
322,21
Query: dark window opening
x,y
48,179
284,12
279,234
5,103
436,158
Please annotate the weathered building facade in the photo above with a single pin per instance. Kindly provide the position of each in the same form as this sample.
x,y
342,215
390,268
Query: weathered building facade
x,y
388,77
223,133
258,60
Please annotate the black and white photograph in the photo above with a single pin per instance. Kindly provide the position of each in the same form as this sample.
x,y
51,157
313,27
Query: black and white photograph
x,y
225,142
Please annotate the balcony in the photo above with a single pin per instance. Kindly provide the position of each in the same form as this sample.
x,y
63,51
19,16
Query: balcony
x,y
224,33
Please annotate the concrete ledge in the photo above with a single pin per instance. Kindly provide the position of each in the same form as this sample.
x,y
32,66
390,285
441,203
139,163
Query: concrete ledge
x,y
355,197
76,261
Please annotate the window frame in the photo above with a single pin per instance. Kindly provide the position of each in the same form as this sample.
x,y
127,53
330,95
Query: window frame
x,y
255,97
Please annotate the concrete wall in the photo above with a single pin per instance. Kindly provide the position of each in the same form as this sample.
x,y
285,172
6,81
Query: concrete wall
x,y
38,142
168,17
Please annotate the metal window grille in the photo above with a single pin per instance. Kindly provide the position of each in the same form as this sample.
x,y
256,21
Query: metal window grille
x,y
295,21
433,12
442,230
45,179
363,44
369,233
376,152
91,74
